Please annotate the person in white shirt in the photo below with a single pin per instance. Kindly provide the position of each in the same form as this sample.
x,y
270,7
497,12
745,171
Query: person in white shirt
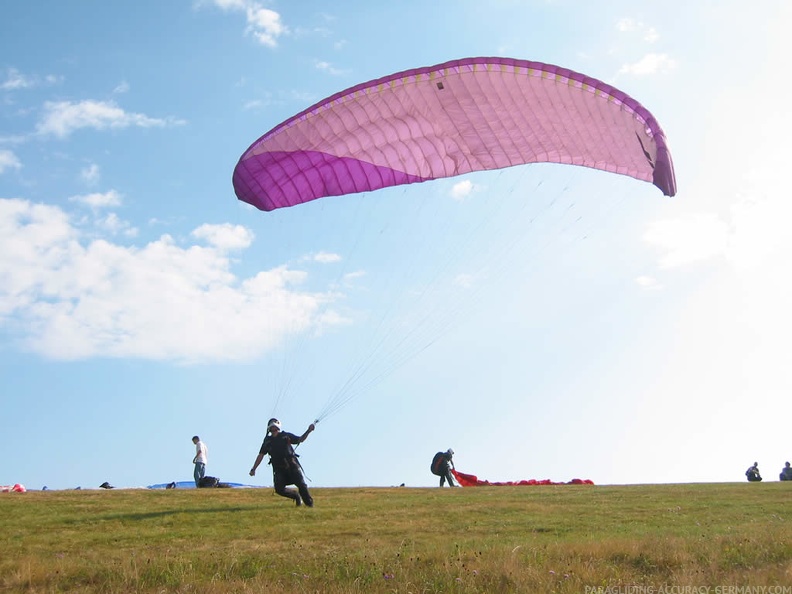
x,y
199,460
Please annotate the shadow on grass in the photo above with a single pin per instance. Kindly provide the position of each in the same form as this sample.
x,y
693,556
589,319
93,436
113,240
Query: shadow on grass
x,y
166,513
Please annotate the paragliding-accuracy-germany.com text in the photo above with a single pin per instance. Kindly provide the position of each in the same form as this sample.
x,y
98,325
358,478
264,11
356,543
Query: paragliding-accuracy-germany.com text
x,y
637,589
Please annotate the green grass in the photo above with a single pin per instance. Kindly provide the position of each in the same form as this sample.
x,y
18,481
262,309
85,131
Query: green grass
x,y
485,539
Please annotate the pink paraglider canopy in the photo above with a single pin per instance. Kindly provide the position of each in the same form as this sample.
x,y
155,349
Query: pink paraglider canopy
x,y
454,118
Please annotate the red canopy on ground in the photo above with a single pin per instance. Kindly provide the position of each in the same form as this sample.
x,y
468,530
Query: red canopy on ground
x,y
471,480
13,489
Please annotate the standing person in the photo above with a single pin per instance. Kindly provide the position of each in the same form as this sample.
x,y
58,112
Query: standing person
x,y
753,473
199,460
442,463
286,469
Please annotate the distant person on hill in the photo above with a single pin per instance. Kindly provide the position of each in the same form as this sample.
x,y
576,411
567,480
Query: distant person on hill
x,y
753,473
786,473
442,463
286,469
199,460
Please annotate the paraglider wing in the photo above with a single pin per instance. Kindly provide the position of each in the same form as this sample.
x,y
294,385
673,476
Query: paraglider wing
x,y
465,115
471,480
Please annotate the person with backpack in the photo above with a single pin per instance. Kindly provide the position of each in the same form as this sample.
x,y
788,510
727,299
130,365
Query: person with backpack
x,y
286,469
442,463
199,460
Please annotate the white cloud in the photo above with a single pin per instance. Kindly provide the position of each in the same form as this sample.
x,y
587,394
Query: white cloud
x,y
106,223
648,282
262,23
326,258
760,242
754,236
64,297
689,239
110,199
33,238
8,160
113,224
649,64
462,190
225,237
61,118
121,88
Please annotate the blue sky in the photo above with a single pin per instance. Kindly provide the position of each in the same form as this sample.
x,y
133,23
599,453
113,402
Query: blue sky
x,y
544,321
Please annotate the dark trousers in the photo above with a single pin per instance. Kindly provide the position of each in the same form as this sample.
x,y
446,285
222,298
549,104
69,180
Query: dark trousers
x,y
291,476
447,476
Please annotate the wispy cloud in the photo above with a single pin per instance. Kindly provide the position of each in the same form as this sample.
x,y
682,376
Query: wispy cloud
x,y
351,276
104,222
8,160
649,64
61,118
687,240
329,68
14,80
649,283
280,98
326,258
753,234
110,199
114,225
90,174
464,280
629,25
636,35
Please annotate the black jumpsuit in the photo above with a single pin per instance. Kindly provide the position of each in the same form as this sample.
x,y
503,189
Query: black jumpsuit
x,y
285,467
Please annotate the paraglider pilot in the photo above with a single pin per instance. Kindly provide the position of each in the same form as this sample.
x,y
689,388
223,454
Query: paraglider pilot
x,y
753,473
442,463
286,469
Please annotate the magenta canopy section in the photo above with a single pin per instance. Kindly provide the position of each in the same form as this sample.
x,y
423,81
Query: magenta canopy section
x,y
441,121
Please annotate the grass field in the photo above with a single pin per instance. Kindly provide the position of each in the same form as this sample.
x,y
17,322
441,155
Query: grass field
x,y
642,538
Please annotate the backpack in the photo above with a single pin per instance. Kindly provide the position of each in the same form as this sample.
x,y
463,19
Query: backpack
x,y
208,482
439,464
